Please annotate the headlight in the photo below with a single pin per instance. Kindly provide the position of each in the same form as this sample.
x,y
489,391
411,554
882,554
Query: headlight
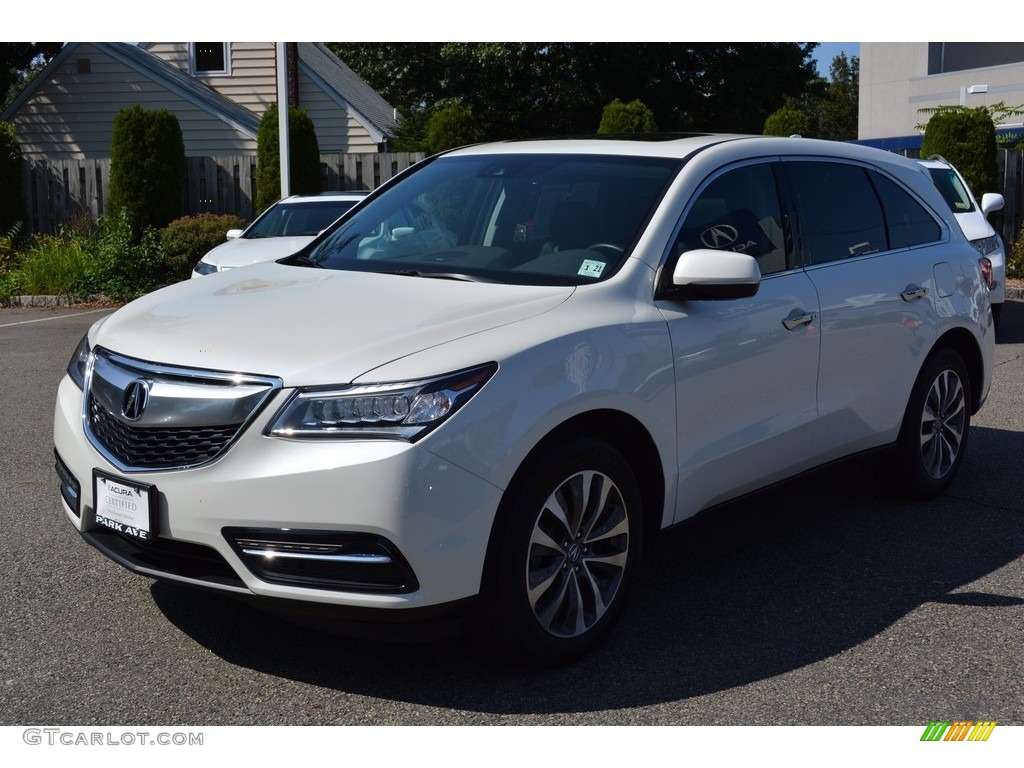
x,y
79,362
406,410
986,245
204,268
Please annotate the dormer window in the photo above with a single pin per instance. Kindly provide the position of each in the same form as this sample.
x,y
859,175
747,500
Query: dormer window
x,y
209,59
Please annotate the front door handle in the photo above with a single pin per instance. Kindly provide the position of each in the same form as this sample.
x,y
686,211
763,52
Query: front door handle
x,y
913,292
797,318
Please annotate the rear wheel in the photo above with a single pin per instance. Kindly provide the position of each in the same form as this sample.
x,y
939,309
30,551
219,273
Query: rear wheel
x,y
564,551
936,425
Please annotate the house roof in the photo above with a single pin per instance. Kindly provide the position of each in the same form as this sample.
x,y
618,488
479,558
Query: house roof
x,y
348,89
160,72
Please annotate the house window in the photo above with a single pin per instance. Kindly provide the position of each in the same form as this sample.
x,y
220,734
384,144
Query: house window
x,y
209,58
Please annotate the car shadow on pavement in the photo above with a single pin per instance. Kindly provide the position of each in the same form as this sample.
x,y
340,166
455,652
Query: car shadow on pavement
x,y
776,581
1011,323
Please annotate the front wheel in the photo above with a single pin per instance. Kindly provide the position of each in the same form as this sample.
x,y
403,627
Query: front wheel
x,y
936,425
565,547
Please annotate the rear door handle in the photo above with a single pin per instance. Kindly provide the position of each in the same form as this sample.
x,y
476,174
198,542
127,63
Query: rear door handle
x,y
913,292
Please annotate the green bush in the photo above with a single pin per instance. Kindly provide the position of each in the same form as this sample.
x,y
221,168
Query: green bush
x,y
1015,257
619,118
12,200
188,239
304,153
452,126
967,139
789,120
147,167
124,263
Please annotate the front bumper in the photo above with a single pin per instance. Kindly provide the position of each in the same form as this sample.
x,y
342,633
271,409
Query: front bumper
x,y
429,519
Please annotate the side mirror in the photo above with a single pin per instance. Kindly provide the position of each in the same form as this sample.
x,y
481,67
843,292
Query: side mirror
x,y
399,232
708,274
991,202
234,234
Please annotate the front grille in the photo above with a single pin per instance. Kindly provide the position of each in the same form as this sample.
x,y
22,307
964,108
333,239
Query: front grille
x,y
156,447
145,416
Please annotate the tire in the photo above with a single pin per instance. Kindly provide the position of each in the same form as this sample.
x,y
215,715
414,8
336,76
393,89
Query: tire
x,y
936,425
564,552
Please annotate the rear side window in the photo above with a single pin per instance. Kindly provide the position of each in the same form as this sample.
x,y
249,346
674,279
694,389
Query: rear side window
x,y
907,222
838,211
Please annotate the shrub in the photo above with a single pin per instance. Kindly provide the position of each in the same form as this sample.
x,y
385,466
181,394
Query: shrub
x,y
967,139
634,117
1015,257
452,126
125,263
789,120
188,239
147,166
12,201
304,153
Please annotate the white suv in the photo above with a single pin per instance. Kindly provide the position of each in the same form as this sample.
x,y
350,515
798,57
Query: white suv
x,y
973,220
283,229
480,394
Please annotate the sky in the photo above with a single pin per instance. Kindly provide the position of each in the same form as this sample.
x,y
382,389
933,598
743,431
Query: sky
x,y
825,52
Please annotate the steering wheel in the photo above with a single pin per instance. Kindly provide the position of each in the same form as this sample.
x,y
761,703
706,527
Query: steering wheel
x,y
609,246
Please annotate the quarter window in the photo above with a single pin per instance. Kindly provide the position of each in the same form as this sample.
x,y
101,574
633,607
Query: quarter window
x,y
739,211
907,222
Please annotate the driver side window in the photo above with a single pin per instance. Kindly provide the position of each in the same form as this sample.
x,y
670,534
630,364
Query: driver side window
x,y
739,211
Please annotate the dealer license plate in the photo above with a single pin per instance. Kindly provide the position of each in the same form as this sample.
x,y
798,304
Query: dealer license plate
x,y
124,507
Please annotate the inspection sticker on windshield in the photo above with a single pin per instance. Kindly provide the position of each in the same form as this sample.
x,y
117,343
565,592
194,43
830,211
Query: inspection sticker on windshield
x,y
591,268
124,507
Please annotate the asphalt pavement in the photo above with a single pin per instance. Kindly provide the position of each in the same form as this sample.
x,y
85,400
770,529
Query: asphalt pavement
x,y
825,601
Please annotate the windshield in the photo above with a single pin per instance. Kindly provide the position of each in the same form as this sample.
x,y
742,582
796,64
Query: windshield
x,y
952,189
305,219
539,219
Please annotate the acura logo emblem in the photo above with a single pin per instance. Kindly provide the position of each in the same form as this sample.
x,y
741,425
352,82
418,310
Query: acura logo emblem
x,y
136,398
719,236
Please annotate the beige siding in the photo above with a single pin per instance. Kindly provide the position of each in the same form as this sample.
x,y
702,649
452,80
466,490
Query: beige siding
x,y
336,130
71,116
252,82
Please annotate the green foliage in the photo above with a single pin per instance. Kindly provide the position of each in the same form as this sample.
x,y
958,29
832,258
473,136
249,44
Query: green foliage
x,y
12,200
525,90
19,63
619,118
410,135
967,139
452,126
789,120
837,111
147,166
1015,257
303,151
188,239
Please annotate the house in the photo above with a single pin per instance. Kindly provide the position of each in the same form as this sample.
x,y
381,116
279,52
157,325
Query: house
x,y
219,91
898,79
64,119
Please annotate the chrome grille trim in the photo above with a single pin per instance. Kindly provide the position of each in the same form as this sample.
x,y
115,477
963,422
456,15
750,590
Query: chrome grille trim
x,y
192,416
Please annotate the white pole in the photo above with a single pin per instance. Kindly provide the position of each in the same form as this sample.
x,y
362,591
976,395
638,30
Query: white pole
x,y
282,117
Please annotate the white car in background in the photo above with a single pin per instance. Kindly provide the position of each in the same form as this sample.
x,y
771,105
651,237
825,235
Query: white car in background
x,y
284,228
973,220
481,393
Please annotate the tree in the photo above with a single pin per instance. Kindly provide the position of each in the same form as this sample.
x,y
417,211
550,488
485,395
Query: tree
x,y
12,200
634,117
304,153
966,137
19,63
788,120
452,126
526,90
147,166
837,111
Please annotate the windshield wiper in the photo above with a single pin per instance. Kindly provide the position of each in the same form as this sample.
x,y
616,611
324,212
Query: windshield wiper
x,y
442,276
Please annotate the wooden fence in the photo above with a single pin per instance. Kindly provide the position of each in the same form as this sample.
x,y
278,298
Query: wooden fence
x,y
60,191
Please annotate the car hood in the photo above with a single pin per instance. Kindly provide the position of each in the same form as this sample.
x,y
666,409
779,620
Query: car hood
x,y
974,225
312,326
243,251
